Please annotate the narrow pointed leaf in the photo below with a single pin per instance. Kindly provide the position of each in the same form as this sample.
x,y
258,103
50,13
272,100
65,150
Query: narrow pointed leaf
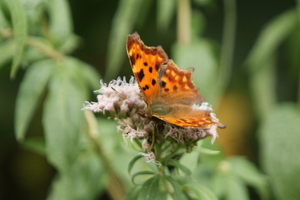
x,y
130,166
271,37
177,189
19,30
180,166
165,12
198,191
150,189
36,145
30,93
141,173
62,117
7,50
126,16
60,21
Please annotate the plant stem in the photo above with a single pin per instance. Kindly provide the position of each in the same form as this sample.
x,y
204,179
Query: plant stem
x,y
173,153
183,21
228,42
48,51
116,188
298,13
30,41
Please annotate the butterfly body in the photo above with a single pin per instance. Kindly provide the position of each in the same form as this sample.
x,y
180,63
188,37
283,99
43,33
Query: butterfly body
x,y
167,90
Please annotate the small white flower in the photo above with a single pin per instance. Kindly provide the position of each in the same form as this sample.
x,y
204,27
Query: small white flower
x,y
150,157
131,133
212,131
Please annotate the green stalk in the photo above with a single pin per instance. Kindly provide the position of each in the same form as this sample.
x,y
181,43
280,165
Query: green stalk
x,y
228,42
116,188
30,41
298,13
183,21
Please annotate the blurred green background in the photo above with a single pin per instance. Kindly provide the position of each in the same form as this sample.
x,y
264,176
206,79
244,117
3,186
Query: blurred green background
x,y
28,175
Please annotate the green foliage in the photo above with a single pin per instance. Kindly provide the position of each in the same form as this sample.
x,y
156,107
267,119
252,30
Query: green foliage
x,y
278,131
90,156
280,149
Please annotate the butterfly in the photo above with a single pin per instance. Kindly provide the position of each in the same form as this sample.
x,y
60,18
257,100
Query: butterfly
x,y
168,91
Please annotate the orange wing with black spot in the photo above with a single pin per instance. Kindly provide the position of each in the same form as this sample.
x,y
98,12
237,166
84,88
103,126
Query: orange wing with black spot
x,y
145,63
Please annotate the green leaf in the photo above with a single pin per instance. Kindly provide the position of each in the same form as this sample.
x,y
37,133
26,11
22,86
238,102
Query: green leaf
x,y
3,20
270,38
85,174
180,166
236,189
83,179
165,11
279,143
62,116
198,54
177,189
36,145
219,183
198,191
126,16
30,92
7,51
70,44
34,11
150,189
293,49
261,60
130,166
89,74
20,32
32,53
247,172
133,193
143,173
262,84
60,21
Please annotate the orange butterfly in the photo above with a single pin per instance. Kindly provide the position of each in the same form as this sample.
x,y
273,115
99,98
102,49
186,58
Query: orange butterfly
x,y
168,91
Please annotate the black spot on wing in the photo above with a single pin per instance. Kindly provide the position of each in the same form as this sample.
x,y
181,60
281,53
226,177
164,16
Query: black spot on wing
x,y
153,82
146,87
145,64
167,90
150,69
141,75
138,56
175,88
132,60
163,84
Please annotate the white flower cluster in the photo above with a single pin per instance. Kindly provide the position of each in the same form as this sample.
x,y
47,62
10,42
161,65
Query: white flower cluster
x,y
118,98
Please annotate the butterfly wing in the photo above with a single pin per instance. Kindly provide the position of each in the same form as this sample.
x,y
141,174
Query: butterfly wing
x,y
177,93
145,63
